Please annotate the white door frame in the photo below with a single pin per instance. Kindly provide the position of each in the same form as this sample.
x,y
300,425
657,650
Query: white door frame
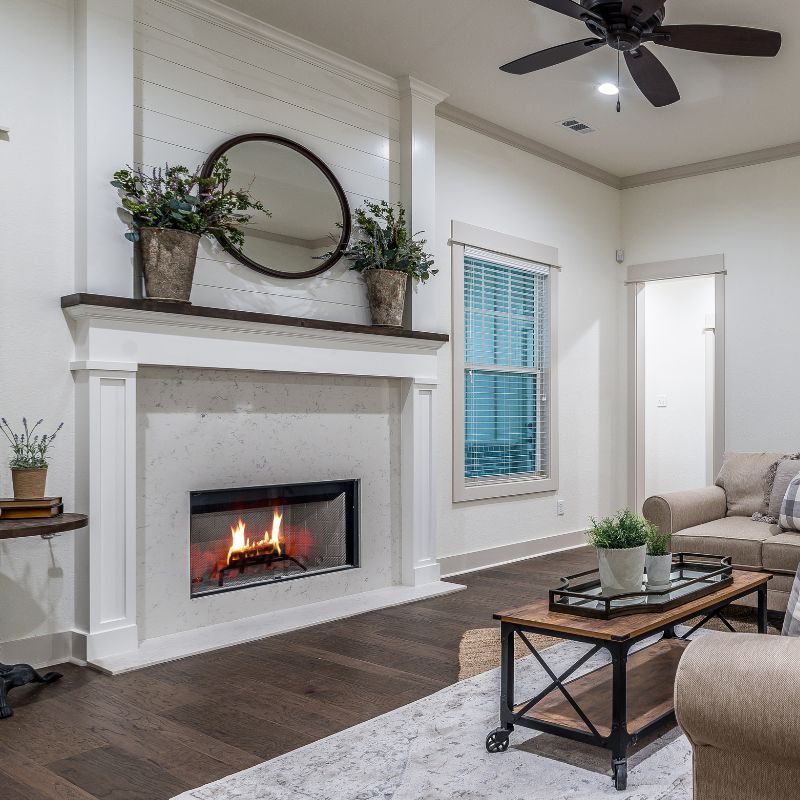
x,y
638,276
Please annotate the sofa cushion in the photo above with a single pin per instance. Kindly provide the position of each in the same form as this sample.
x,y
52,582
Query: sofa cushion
x,y
743,477
737,537
781,552
790,508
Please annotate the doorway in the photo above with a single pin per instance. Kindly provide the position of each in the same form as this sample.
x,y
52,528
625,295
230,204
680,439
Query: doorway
x,y
677,423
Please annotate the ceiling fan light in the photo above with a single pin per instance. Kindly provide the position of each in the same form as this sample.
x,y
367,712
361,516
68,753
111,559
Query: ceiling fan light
x,y
608,88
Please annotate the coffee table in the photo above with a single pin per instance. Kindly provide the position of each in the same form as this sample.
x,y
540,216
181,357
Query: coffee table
x,y
615,705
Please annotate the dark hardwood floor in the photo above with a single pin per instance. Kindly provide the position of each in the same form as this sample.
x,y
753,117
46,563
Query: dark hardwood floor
x,y
160,731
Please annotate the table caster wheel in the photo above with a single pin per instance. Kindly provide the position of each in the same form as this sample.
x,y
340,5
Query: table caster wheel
x,y
497,741
621,775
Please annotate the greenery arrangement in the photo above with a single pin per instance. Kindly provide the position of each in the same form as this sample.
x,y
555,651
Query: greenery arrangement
x,y
621,532
175,198
29,449
382,241
658,544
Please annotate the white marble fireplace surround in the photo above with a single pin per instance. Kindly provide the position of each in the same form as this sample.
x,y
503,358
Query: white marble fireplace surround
x,y
168,402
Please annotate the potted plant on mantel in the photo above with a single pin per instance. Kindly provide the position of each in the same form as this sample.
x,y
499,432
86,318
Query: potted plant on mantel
x,y
621,544
387,255
658,563
170,210
29,458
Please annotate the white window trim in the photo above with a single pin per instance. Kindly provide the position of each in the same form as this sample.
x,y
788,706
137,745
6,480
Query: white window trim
x,y
464,235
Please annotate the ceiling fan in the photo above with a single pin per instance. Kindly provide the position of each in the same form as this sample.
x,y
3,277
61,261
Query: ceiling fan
x,y
626,25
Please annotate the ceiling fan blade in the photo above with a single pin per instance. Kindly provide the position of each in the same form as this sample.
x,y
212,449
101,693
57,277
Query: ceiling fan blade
x,y
570,8
726,40
652,78
551,56
641,9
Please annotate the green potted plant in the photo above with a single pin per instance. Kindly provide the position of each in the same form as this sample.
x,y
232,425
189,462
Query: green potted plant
x,y
28,458
621,544
387,255
169,210
658,563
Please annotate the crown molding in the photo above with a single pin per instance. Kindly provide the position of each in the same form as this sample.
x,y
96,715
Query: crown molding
x,y
750,159
517,140
410,86
238,22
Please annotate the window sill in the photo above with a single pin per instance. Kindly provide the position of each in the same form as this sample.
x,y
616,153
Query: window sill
x,y
509,488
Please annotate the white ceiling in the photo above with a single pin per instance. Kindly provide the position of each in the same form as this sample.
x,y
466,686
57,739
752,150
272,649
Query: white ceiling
x,y
730,105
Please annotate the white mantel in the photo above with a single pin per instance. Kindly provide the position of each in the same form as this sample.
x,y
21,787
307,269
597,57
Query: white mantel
x,y
112,342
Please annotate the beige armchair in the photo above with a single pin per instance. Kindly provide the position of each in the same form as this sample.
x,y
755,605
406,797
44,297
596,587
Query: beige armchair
x,y
737,699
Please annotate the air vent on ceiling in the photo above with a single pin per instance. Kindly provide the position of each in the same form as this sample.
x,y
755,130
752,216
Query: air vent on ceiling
x,y
576,125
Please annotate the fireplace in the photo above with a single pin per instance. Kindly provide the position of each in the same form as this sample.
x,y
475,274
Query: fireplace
x,y
245,537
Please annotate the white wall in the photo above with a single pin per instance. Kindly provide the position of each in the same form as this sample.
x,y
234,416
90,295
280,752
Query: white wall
x,y
492,185
676,436
36,231
751,215
199,81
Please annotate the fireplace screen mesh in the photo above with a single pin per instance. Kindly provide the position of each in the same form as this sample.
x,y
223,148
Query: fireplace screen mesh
x,y
243,537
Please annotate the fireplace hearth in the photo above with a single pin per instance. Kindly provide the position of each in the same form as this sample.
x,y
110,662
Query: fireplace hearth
x,y
257,535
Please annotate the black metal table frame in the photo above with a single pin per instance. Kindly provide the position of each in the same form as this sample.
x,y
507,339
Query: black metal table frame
x,y
619,740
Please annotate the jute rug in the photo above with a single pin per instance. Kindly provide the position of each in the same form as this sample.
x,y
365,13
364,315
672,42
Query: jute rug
x,y
479,650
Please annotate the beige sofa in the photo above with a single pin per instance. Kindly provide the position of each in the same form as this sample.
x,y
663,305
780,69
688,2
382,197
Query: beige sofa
x,y
718,520
737,699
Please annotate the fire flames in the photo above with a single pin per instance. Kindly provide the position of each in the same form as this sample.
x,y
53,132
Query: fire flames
x,y
270,543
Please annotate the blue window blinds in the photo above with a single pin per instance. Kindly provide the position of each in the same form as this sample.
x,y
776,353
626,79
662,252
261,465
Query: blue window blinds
x,y
506,361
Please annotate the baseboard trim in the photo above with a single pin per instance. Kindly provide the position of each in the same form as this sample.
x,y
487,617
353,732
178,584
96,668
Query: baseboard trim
x,y
215,637
508,553
42,651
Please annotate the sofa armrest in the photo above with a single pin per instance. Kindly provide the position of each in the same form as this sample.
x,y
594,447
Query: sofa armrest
x,y
677,511
741,693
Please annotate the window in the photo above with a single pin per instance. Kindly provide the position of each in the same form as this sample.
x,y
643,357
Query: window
x,y
503,372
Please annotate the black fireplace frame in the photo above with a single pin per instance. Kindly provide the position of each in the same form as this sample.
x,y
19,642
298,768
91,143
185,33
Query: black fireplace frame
x,y
243,498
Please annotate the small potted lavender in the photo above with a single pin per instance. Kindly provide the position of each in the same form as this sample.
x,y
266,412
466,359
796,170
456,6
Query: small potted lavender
x,y
29,458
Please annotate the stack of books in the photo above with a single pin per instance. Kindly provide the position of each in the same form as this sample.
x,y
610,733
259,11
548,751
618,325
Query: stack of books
x,y
40,508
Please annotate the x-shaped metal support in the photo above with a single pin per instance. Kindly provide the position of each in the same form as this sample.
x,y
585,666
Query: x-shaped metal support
x,y
716,613
558,683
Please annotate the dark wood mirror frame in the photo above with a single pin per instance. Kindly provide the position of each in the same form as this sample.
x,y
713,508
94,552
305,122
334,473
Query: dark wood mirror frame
x,y
323,168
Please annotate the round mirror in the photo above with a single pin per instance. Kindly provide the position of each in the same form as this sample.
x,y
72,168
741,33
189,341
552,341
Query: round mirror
x,y
309,222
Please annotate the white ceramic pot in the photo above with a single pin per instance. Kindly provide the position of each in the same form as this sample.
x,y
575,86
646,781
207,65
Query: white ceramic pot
x,y
621,571
659,570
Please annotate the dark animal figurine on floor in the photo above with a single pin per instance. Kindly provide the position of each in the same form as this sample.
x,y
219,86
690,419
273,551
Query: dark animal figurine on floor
x,y
14,675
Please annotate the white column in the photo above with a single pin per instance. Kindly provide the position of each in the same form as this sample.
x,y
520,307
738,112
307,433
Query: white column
x,y
418,485
103,143
106,484
430,304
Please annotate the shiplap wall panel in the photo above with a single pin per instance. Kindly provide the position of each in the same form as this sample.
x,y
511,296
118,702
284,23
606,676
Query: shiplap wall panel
x,y
198,82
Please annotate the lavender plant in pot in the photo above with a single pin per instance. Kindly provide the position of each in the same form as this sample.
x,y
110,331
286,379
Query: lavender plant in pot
x,y
387,255
29,458
169,210
621,544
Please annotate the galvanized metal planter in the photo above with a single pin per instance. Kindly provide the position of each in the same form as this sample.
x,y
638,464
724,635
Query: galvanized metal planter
x,y
168,261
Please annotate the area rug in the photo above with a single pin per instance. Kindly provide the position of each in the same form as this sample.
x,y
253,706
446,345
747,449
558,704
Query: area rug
x,y
479,650
433,749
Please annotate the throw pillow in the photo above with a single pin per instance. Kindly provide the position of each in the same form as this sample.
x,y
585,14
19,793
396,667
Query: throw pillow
x,y
790,509
791,622
742,477
771,518
787,470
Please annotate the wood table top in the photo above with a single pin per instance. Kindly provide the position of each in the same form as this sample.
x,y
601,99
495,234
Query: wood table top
x,y
538,614
17,528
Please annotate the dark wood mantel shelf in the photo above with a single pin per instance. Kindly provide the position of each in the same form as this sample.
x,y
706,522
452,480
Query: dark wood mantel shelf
x,y
107,301
17,528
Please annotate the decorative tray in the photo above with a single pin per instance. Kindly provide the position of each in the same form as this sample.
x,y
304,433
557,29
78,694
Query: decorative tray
x,y
693,576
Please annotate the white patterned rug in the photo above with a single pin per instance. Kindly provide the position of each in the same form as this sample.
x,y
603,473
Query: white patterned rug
x,y
433,749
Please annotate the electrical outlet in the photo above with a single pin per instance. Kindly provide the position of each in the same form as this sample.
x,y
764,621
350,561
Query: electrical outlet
x,y
560,510
662,401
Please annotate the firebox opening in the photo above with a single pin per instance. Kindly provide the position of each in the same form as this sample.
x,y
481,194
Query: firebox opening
x,y
265,534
